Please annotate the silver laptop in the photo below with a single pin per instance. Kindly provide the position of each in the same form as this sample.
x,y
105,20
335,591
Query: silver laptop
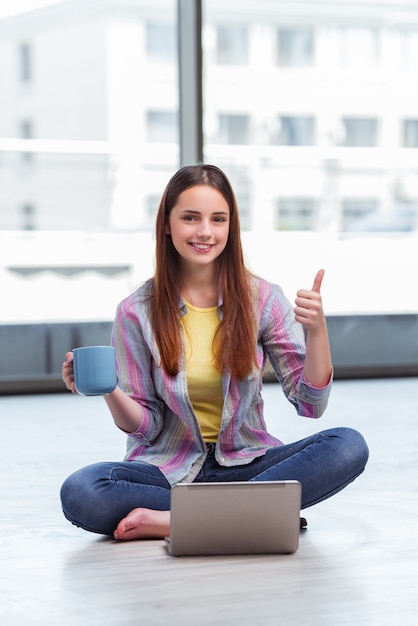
x,y
234,518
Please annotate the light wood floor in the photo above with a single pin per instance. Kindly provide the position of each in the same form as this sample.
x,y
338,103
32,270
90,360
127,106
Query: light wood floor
x,y
357,563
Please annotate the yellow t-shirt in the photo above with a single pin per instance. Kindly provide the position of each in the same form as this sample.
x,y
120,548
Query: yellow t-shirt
x,y
204,381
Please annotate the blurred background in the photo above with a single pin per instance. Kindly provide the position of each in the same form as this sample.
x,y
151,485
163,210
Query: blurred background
x,y
311,108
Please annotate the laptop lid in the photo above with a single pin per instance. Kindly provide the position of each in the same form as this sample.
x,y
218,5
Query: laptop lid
x,y
234,518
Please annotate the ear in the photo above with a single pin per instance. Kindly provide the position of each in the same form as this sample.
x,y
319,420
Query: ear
x,y
167,229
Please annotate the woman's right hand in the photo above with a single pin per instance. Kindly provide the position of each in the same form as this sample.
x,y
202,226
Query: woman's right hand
x,y
68,372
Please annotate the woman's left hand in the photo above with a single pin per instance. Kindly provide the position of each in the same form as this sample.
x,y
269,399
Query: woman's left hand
x,y
308,309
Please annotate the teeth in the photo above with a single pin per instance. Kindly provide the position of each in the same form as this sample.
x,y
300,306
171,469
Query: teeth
x,y
201,246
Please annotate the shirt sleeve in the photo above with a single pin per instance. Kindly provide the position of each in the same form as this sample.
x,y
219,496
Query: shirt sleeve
x,y
284,342
134,369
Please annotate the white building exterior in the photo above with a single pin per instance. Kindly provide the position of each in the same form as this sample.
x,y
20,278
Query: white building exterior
x,y
311,108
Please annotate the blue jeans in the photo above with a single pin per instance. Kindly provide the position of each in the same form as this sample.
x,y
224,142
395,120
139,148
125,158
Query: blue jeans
x,y
98,496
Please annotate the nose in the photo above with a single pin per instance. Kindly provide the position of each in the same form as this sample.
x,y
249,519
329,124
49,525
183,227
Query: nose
x,y
204,230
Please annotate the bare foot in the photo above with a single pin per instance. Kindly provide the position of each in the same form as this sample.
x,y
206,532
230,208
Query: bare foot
x,y
143,524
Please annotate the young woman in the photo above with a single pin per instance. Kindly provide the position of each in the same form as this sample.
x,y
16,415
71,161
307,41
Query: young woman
x,y
191,345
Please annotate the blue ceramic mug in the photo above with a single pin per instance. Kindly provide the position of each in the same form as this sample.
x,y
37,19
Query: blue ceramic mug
x,y
94,370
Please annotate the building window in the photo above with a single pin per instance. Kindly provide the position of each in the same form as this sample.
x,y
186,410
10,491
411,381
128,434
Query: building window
x,y
295,47
161,42
360,132
25,63
244,208
232,45
26,129
241,177
295,131
410,134
28,217
152,202
296,213
359,48
234,129
408,48
363,215
162,127
356,213
26,132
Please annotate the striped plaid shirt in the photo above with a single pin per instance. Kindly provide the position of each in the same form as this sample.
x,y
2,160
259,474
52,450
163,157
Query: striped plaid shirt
x,y
169,436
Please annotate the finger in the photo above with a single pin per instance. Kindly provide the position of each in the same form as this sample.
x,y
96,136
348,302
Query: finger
x,y
68,372
318,281
307,301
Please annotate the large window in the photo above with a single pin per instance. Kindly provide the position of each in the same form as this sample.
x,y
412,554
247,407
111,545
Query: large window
x,y
92,115
310,110
88,133
319,111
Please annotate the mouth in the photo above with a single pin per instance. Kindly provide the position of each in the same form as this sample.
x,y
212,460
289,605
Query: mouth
x,y
201,247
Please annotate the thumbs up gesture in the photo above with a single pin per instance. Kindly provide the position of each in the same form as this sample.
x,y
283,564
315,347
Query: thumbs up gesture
x,y
308,309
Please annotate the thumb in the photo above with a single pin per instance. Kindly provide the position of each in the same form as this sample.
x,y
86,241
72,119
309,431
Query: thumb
x,y
318,281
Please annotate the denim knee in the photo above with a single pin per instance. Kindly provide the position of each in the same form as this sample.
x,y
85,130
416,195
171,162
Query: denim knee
x,y
73,495
80,501
354,449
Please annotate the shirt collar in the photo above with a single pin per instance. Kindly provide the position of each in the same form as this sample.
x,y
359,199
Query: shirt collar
x,y
183,306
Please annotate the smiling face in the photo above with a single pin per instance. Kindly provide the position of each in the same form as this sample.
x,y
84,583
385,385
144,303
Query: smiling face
x,y
199,225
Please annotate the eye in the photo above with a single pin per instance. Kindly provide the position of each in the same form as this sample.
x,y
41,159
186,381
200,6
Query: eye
x,y
189,218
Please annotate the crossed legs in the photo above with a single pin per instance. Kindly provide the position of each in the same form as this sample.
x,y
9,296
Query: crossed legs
x,y
104,497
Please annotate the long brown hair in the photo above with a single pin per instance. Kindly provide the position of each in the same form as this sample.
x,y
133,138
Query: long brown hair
x,y
234,343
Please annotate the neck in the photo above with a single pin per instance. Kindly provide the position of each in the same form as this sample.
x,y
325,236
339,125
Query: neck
x,y
195,277
200,288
